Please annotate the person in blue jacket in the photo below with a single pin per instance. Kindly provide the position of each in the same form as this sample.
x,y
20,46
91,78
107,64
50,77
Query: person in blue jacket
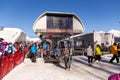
x,y
57,51
33,50
44,50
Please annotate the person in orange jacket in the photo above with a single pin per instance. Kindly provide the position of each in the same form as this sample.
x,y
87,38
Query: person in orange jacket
x,y
114,51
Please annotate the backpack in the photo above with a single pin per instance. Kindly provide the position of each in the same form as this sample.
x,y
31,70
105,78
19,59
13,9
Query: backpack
x,y
10,49
44,45
33,49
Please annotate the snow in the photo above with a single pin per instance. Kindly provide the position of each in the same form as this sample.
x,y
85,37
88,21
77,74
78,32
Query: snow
x,y
115,32
12,29
13,34
100,31
10,34
33,39
80,70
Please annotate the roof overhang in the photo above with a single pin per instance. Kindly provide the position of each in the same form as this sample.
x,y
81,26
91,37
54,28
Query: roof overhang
x,y
60,13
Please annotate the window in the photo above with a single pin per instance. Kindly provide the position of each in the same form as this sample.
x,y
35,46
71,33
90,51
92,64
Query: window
x,y
59,22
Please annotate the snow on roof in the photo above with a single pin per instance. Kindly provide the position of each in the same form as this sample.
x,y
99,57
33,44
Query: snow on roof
x,y
76,35
10,34
13,29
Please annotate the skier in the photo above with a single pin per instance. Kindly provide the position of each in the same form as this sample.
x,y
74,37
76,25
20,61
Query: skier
x,y
67,58
114,51
33,50
90,55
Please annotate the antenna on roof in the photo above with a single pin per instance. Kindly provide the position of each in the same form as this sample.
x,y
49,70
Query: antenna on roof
x,y
93,31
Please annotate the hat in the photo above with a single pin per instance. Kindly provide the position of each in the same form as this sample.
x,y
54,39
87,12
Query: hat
x,y
5,43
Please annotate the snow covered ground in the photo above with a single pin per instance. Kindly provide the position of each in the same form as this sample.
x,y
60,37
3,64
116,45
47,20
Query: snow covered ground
x,y
80,70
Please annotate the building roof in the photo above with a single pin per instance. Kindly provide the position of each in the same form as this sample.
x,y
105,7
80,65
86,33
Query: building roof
x,y
60,13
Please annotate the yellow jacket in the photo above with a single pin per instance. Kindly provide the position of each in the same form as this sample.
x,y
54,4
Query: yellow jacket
x,y
114,49
97,51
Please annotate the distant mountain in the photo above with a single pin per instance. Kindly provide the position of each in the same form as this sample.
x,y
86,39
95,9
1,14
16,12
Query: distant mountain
x,y
101,31
116,33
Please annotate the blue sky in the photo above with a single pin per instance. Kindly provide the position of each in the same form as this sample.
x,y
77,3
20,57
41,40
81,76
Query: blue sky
x,y
98,15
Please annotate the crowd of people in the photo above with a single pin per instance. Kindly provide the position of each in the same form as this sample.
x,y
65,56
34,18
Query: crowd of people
x,y
95,55
7,48
37,50
43,50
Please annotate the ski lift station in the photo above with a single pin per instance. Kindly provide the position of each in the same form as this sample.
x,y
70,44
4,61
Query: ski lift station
x,y
57,25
